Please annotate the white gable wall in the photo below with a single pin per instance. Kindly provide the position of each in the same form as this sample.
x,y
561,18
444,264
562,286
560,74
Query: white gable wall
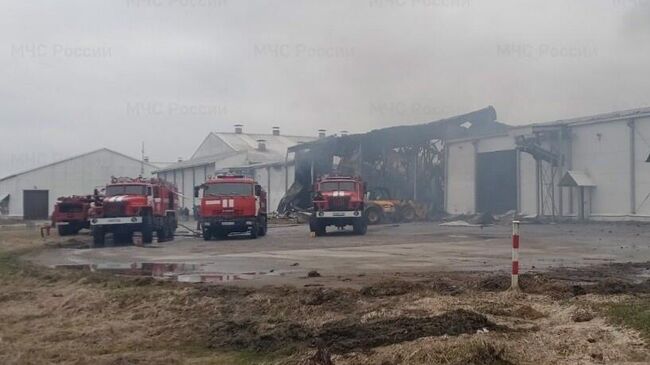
x,y
212,145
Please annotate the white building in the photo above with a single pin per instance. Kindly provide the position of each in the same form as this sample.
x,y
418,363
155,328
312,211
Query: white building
x,y
31,194
593,166
262,156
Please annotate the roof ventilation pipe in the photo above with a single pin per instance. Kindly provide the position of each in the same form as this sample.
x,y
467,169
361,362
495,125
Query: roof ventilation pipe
x,y
276,131
261,145
321,133
239,128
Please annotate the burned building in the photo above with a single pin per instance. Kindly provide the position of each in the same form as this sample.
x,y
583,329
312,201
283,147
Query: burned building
x,y
407,162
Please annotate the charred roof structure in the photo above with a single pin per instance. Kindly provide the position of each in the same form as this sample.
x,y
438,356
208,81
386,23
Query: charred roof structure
x,y
408,160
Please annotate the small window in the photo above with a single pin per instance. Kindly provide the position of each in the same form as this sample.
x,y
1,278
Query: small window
x,y
149,192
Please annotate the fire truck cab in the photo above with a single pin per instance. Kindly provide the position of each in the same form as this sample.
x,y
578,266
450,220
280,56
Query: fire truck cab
x,y
71,214
338,201
230,204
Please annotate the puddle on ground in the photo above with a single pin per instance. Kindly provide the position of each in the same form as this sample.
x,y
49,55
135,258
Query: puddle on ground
x,y
182,272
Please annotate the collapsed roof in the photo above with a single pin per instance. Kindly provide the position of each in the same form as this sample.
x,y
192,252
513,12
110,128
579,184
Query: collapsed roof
x,y
405,160
478,123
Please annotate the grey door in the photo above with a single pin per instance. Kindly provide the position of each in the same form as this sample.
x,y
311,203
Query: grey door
x,y
496,182
35,204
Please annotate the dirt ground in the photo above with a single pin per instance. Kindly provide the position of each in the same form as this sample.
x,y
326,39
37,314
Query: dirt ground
x,y
589,312
288,253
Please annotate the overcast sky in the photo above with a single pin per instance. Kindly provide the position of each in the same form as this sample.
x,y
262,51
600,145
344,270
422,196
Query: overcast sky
x,y
79,75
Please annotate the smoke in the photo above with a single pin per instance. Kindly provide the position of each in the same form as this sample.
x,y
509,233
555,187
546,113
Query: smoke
x,y
78,76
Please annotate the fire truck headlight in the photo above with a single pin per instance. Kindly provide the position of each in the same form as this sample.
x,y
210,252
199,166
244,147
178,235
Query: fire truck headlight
x,y
94,220
134,219
320,214
356,213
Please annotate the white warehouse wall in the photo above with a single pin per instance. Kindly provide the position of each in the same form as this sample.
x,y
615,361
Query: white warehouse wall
x,y
185,179
277,189
75,176
460,178
527,184
602,149
642,143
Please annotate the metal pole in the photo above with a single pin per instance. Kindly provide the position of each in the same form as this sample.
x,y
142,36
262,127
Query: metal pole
x,y
632,126
582,203
268,188
286,171
476,187
537,186
560,147
142,160
518,177
415,177
514,285
445,176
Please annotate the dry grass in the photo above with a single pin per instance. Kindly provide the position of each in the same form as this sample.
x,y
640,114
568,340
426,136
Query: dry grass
x,y
634,314
73,317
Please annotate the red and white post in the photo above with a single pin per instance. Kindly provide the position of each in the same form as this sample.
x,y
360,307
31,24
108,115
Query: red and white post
x,y
515,256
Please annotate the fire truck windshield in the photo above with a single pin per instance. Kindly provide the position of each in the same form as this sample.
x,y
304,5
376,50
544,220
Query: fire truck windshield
x,y
113,190
337,186
242,189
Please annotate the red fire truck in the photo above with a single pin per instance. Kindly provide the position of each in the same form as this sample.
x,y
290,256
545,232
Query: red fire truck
x,y
136,205
231,203
338,201
71,214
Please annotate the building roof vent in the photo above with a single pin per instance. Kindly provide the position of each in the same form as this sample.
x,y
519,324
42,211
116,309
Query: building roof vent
x,y
261,145
180,159
321,133
239,128
276,131
344,133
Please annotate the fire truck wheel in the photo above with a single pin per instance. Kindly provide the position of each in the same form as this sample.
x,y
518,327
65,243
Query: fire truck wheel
x,y
360,227
147,229
263,227
317,227
255,230
206,234
162,234
170,233
63,230
98,237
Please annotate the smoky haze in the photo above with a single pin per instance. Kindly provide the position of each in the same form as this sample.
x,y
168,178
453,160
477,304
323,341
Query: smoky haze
x,y
80,75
